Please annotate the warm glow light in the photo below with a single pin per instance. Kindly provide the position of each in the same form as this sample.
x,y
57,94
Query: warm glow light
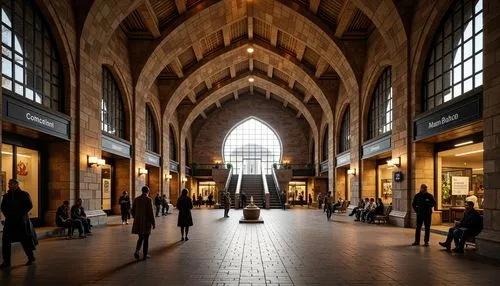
x,y
394,162
286,162
184,179
351,171
250,50
143,171
251,79
468,153
94,161
478,169
168,177
464,143
18,155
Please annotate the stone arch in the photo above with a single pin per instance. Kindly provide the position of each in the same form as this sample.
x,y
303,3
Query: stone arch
x,y
238,84
124,92
175,42
423,40
324,132
172,127
366,96
156,124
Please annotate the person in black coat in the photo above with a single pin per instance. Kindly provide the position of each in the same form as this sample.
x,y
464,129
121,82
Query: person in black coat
x,y
423,202
78,213
470,226
124,201
185,220
16,205
63,220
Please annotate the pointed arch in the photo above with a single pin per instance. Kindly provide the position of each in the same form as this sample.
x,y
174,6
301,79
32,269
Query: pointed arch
x,y
152,131
172,144
344,131
324,144
113,112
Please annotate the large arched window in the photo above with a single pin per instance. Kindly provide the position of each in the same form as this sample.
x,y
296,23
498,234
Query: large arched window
x,y
186,153
324,155
252,147
454,65
30,62
112,110
151,138
345,132
172,147
380,114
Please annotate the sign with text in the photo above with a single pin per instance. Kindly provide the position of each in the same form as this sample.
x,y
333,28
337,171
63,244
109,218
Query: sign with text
x,y
464,111
343,159
173,166
377,147
152,159
32,115
115,146
459,186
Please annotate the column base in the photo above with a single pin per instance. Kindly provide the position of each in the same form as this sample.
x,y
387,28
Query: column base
x,y
488,243
399,218
50,218
97,217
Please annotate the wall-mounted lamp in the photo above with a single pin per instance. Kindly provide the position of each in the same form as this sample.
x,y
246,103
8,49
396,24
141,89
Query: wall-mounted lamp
x,y
394,162
168,177
286,162
143,171
351,172
93,161
184,179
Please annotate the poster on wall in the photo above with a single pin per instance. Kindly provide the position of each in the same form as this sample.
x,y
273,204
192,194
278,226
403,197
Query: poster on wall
x,y
386,190
106,194
459,185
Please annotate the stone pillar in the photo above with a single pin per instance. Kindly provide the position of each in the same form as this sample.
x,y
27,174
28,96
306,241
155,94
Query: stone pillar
x,y
369,182
422,172
220,178
488,242
355,128
123,174
284,177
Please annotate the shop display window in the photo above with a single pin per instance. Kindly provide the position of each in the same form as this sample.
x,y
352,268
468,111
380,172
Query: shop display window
x,y
205,189
296,191
385,183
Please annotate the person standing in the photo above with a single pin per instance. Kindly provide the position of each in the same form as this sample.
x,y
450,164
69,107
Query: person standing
x,y
320,200
157,204
309,201
422,204
243,200
144,220
210,199
283,200
16,205
184,220
164,205
125,207
227,204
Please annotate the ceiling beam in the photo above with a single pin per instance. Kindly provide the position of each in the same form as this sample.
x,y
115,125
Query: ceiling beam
x,y
274,36
321,67
307,97
250,28
235,94
251,89
226,35
218,104
301,49
314,5
150,20
177,67
181,6
345,18
285,104
192,97
291,83
208,82
232,71
198,51
203,114
298,114
250,64
270,71
268,95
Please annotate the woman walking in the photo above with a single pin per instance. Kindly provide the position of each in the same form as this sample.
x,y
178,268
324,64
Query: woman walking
x,y
185,220
125,207
144,220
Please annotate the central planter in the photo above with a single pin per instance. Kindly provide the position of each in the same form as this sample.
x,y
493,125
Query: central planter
x,y
251,213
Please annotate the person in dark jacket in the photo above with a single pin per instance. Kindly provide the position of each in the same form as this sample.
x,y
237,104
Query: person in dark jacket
x,y
184,220
78,213
243,200
379,210
64,220
470,226
16,205
423,202
144,220
124,201
157,204
164,205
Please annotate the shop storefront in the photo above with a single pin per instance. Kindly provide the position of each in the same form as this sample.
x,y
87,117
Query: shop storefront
x,y
377,174
297,192
153,173
343,176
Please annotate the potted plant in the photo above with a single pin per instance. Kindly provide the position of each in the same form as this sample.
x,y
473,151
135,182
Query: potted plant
x,y
229,166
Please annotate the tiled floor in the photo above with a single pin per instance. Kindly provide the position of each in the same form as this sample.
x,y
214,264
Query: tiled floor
x,y
294,247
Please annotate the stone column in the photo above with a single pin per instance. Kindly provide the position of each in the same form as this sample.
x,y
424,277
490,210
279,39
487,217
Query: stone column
x,y
488,242
369,178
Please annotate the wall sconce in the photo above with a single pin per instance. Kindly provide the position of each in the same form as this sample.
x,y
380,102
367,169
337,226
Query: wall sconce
x,y
286,162
168,177
93,161
394,162
351,172
143,171
184,179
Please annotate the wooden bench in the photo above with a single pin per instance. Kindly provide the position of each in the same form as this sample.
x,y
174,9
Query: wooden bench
x,y
385,217
343,207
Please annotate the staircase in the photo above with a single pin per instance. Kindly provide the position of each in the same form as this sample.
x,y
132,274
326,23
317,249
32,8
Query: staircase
x,y
232,189
252,185
274,200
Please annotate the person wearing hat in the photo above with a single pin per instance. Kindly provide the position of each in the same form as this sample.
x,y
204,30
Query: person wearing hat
x,y
16,205
469,226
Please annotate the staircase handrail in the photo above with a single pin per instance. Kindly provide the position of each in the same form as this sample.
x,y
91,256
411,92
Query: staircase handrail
x,y
228,180
276,184
237,192
266,190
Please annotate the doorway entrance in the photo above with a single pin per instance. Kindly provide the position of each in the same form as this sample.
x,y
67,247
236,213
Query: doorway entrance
x,y
252,166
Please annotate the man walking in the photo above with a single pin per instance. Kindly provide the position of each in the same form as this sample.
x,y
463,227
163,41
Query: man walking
x,y
16,205
144,220
227,204
423,202
157,204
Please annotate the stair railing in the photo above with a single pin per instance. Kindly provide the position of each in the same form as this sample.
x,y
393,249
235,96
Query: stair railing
x,y
228,182
237,192
277,185
267,197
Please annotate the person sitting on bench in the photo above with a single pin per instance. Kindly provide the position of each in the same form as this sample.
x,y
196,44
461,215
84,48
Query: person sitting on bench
x,y
63,220
78,213
361,205
469,227
360,211
337,205
379,210
371,207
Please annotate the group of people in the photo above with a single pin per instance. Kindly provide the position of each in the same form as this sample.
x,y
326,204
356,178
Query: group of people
x,y
198,200
367,210
161,205
74,218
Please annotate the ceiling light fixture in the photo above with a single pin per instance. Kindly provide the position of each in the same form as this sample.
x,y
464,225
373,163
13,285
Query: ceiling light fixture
x,y
468,153
464,143
250,50
251,79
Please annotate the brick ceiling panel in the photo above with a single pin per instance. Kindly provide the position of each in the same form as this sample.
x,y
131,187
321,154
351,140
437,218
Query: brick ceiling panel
x,y
134,23
260,66
187,58
259,90
242,67
165,11
359,23
221,76
281,76
329,10
310,58
287,42
200,89
212,43
191,3
299,88
239,30
261,30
